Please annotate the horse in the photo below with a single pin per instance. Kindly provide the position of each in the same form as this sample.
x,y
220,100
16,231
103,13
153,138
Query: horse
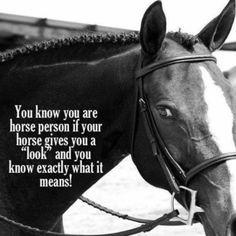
x,y
171,75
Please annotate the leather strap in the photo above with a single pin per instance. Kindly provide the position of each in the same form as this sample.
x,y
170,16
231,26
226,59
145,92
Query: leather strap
x,y
209,163
156,151
171,61
159,149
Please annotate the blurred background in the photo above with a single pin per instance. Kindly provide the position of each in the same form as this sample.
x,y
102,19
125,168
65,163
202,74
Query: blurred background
x,y
32,20
122,189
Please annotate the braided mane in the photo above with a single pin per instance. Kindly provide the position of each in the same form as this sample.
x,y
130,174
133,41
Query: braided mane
x,y
82,39
183,39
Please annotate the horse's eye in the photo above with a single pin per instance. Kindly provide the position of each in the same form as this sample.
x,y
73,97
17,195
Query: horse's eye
x,y
165,112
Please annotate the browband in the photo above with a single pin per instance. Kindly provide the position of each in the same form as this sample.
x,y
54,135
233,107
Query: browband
x,y
171,61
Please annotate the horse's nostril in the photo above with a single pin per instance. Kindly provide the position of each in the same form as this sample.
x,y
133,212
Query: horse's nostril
x,y
232,226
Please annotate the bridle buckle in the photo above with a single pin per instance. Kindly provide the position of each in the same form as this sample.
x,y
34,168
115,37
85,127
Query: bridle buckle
x,y
193,208
142,105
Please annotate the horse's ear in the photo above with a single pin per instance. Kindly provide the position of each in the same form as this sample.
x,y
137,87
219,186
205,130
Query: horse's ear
x,y
214,34
153,28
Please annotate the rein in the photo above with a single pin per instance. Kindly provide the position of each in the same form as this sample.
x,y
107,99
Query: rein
x,y
149,225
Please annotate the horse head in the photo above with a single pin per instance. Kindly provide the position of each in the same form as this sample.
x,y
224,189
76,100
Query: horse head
x,y
193,109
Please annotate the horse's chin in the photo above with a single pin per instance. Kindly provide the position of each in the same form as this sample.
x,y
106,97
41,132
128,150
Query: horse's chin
x,y
206,225
208,228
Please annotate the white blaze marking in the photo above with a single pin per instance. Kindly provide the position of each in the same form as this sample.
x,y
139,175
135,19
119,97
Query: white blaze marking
x,y
220,122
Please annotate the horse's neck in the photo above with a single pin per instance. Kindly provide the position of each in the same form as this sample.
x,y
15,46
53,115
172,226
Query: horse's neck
x,y
114,77
106,85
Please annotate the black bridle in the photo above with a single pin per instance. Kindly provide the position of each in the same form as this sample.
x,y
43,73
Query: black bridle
x,y
174,173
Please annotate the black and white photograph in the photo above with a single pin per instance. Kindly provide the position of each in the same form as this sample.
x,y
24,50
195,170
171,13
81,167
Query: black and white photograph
x,y
118,118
